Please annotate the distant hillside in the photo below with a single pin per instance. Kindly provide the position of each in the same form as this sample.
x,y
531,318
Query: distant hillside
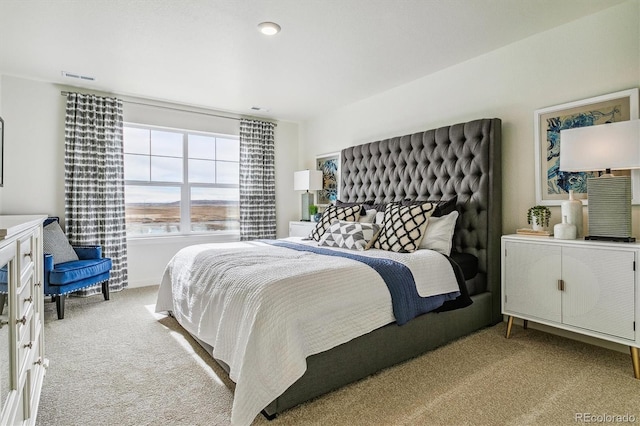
x,y
193,203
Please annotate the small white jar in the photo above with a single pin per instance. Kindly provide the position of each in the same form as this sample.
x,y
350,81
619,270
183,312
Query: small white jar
x,y
564,230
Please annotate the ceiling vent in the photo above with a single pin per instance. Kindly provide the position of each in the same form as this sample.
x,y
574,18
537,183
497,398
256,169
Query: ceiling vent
x,y
77,76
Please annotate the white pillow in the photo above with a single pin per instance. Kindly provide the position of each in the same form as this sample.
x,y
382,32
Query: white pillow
x,y
439,233
369,217
379,218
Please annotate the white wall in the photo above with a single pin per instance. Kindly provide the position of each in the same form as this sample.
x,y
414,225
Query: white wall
x,y
1,147
34,164
595,55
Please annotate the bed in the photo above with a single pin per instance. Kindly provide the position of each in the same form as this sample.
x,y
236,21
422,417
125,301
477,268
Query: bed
x,y
459,162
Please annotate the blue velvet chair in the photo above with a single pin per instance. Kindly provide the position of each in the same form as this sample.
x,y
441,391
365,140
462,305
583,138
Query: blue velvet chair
x,y
61,279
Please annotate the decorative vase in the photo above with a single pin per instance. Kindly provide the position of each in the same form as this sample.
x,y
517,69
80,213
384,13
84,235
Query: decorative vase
x,y
572,210
564,230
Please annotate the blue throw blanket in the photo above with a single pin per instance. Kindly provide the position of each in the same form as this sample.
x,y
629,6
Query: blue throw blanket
x,y
407,303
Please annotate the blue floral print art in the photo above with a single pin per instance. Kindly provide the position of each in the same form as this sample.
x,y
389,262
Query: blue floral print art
x,y
559,182
329,191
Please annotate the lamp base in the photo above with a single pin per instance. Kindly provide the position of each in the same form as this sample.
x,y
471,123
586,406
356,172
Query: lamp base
x,y
307,201
609,208
615,239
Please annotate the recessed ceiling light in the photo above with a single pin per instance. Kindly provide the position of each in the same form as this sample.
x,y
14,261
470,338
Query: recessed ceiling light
x,y
269,28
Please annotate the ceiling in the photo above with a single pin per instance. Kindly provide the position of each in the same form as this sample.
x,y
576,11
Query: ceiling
x,y
209,53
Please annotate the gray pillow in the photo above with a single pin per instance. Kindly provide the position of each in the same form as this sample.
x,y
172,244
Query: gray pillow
x,y
54,242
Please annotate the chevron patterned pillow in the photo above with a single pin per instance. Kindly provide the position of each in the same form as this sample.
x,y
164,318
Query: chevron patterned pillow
x,y
403,227
350,235
330,215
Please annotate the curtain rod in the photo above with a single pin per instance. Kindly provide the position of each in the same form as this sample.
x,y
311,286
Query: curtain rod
x,y
65,93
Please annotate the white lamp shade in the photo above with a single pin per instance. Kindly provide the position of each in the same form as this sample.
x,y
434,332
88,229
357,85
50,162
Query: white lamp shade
x,y
307,180
614,146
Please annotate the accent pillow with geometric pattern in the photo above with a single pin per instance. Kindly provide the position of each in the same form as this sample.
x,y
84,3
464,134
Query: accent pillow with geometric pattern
x,y
403,227
332,214
350,235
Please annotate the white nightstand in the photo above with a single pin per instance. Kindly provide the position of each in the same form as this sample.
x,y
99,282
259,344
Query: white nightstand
x,y
301,228
587,287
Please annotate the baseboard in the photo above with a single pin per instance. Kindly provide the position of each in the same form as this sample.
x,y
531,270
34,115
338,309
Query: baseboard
x,y
142,283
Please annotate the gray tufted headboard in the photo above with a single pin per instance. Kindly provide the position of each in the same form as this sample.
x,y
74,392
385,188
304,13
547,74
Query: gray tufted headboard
x,y
462,159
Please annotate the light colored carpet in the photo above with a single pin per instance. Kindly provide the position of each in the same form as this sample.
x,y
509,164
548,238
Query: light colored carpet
x,y
117,363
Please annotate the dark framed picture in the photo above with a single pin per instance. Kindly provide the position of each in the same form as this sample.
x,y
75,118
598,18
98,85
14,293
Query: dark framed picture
x,y
552,184
329,164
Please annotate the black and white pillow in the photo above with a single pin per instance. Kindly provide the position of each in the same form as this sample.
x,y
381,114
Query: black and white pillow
x,y
403,227
350,235
332,214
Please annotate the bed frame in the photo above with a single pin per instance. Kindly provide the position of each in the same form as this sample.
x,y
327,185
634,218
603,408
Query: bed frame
x,y
463,160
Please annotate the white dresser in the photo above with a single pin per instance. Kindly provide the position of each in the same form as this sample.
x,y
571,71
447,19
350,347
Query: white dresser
x,y
22,361
587,287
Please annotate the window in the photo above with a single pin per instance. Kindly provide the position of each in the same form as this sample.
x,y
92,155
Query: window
x,y
179,181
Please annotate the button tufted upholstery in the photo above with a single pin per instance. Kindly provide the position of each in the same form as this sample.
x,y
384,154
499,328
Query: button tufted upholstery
x,y
463,160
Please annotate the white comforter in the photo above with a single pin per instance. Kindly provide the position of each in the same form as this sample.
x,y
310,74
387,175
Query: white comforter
x,y
264,309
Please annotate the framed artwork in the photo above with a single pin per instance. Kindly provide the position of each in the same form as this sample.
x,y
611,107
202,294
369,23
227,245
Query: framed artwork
x,y
553,185
329,164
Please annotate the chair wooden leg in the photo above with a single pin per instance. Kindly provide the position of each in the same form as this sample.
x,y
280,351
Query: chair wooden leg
x,y
3,300
105,290
60,305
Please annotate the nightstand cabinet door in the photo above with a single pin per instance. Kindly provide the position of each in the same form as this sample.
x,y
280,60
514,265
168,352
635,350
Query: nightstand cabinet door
x,y
599,290
531,279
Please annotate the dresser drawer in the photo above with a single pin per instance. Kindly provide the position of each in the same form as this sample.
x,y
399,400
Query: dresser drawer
x,y
25,294
25,260
23,324
26,344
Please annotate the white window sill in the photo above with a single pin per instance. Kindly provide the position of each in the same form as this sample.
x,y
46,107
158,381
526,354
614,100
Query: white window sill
x,y
218,237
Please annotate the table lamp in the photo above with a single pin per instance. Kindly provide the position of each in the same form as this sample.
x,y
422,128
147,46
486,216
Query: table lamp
x,y
611,146
307,180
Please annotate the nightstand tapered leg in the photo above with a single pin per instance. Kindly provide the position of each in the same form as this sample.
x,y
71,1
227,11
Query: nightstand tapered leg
x,y
509,324
525,324
635,360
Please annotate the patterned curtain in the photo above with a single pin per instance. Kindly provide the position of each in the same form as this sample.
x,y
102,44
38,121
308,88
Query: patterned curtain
x,y
94,181
257,180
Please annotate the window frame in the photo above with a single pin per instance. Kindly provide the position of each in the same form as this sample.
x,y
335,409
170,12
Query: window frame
x,y
185,186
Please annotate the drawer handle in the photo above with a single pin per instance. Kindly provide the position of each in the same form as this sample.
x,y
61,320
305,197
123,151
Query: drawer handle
x,y
30,254
38,284
23,320
29,345
38,362
28,299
